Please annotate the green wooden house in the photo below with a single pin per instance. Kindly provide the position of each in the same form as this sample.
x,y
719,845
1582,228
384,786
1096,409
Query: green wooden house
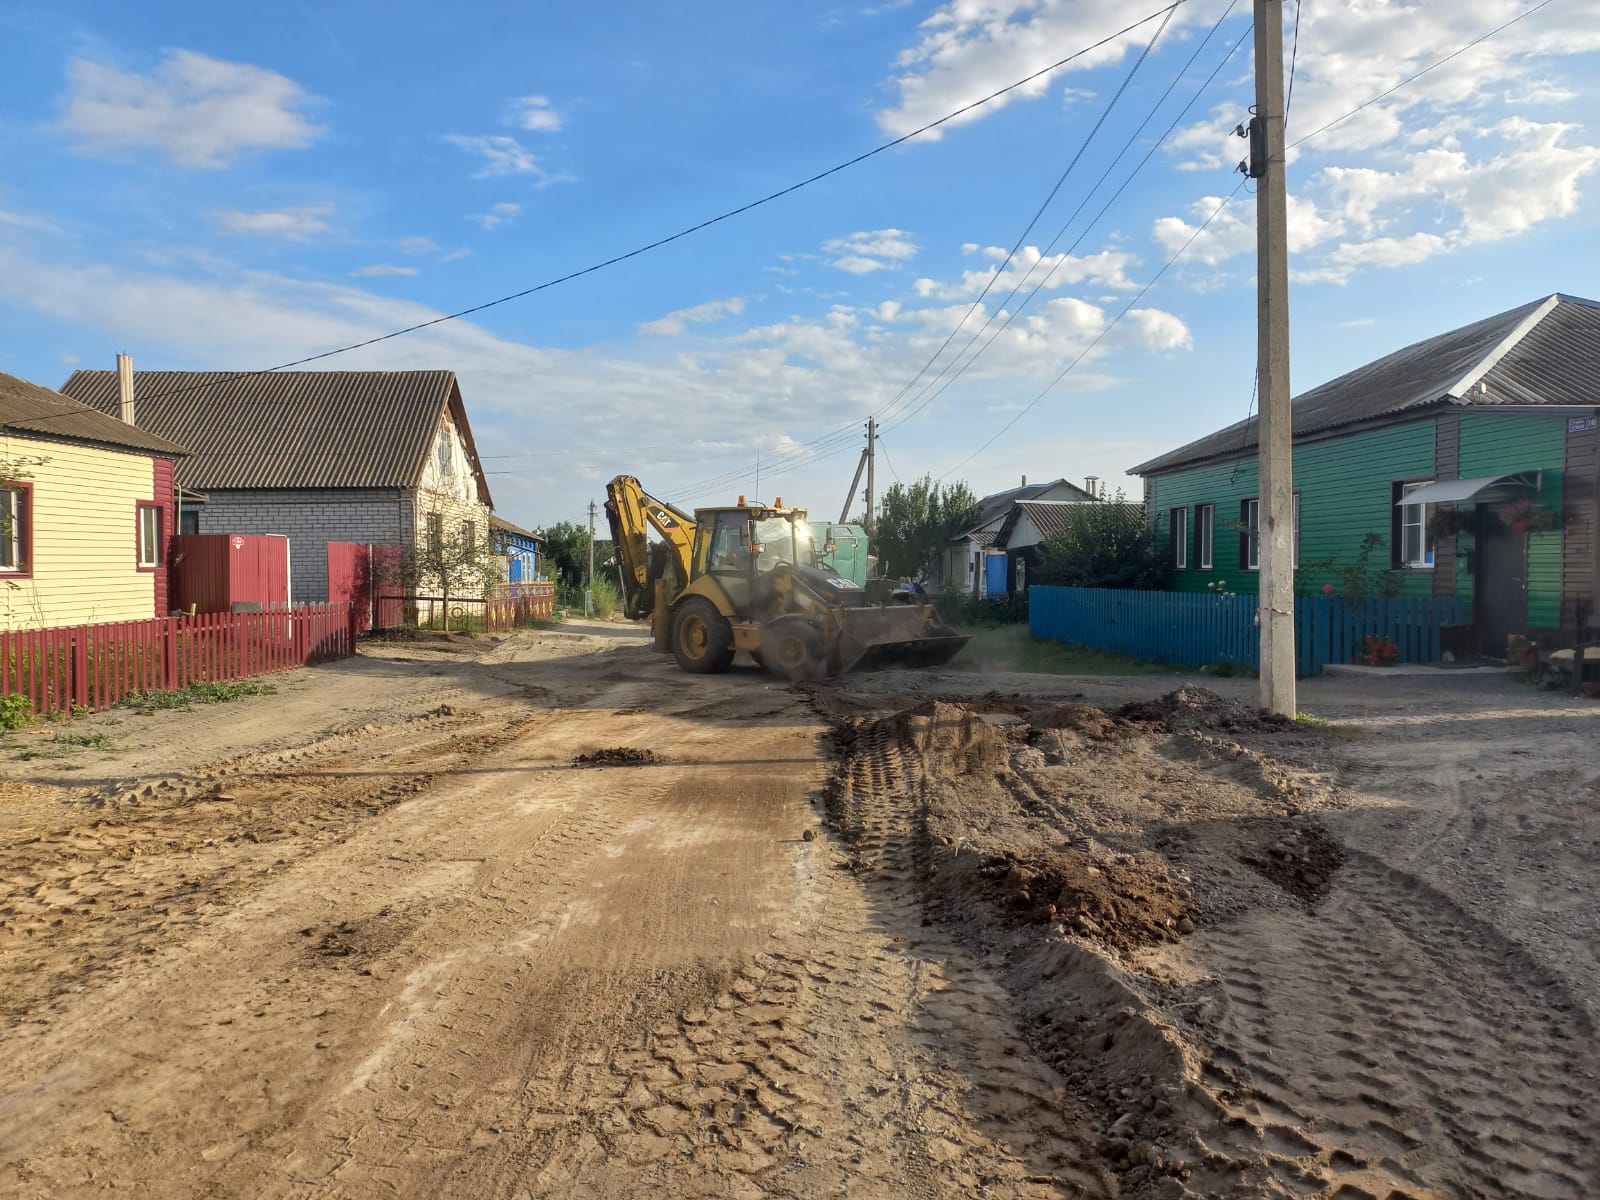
x,y
1466,465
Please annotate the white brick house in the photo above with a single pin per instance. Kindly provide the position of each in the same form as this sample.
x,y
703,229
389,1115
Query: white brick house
x,y
321,456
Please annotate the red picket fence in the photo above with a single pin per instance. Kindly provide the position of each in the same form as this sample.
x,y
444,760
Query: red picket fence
x,y
509,606
96,666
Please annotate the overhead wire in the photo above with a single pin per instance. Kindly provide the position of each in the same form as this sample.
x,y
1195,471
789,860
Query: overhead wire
x,y
1101,336
1410,79
691,229
814,451
1226,200
1011,314
1044,205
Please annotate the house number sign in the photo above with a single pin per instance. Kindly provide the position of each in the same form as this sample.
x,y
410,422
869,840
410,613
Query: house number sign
x,y
1581,424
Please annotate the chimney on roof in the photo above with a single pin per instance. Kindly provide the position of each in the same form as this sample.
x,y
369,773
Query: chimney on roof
x,y
1091,484
1024,481
125,388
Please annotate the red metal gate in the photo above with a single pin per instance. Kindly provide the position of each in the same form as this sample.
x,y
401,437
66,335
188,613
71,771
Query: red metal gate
x,y
353,570
212,572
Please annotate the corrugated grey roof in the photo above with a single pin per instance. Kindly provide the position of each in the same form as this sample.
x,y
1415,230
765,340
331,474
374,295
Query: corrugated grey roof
x,y
1539,353
1556,362
292,429
1050,517
27,408
993,508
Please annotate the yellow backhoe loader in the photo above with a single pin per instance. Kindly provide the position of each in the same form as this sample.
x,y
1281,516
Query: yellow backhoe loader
x,y
746,577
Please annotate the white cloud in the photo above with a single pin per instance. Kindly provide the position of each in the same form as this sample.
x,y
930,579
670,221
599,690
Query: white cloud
x,y
970,48
535,113
502,155
418,245
500,214
675,323
1030,268
870,250
377,269
816,369
16,220
293,224
197,111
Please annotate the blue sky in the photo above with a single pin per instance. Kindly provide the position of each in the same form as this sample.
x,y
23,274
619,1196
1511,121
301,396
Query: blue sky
x,y
233,186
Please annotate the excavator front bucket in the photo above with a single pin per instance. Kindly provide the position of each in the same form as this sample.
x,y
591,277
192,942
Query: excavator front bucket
x,y
909,635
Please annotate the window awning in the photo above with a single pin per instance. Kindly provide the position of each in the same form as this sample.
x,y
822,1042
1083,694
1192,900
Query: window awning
x,y
1453,491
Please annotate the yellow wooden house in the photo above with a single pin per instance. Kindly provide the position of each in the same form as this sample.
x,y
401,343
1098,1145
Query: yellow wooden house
x,y
87,510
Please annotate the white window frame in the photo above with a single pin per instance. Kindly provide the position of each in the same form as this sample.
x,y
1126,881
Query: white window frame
x,y
1178,519
1252,532
1415,516
13,530
1205,527
148,540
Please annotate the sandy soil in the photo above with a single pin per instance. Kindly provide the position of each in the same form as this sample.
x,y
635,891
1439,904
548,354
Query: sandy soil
x,y
421,925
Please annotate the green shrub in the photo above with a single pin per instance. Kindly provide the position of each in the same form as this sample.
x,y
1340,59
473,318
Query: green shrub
x,y
15,712
605,597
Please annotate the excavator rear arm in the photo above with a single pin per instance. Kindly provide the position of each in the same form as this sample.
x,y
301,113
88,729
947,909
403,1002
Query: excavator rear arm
x,y
633,512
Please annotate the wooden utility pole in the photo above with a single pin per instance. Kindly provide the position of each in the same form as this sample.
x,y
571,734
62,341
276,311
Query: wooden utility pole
x,y
872,448
588,591
850,496
1275,444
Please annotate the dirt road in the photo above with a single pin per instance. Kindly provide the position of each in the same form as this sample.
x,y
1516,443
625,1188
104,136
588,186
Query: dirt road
x,y
545,917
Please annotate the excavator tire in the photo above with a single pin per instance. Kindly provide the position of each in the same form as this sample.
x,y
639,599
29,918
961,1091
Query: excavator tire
x,y
702,639
791,649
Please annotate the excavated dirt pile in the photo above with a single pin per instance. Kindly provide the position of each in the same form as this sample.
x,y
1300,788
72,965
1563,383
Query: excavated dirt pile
x,y
1237,1004
1071,844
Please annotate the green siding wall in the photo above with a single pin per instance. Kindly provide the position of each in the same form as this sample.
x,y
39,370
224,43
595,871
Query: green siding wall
x,y
1344,487
1497,443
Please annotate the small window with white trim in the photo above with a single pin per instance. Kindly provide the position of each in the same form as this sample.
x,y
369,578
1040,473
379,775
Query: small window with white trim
x,y
1178,523
14,519
1250,534
149,536
1413,547
1205,519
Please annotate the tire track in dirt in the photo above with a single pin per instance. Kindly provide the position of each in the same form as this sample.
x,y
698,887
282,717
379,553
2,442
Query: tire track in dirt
x,y
1355,1037
1397,1047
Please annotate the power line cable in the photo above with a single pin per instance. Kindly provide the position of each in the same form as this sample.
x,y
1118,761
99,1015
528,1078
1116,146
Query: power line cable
x,y
1084,353
800,454
1050,196
1314,133
1294,56
884,450
1410,79
812,452
1011,314
697,227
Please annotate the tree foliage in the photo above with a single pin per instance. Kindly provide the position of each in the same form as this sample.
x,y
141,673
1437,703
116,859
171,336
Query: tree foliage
x,y
917,520
566,551
1105,545
452,560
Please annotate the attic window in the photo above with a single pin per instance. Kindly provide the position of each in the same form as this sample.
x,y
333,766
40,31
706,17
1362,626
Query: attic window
x,y
444,452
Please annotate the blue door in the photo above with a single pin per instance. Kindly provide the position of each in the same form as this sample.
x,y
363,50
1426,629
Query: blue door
x,y
994,574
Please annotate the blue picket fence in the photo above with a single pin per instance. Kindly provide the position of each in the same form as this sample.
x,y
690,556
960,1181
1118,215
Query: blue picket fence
x,y
1189,629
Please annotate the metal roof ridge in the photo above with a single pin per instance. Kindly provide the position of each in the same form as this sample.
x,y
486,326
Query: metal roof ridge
x,y
1506,345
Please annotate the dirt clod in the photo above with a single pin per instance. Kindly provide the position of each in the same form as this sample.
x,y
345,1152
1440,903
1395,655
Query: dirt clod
x,y
1192,708
616,756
